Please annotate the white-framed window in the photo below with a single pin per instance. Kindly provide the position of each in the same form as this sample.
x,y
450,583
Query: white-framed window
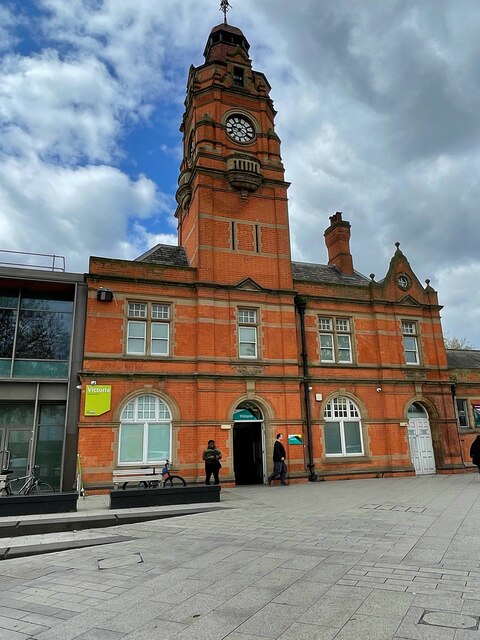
x,y
410,342
462,414
335,340
247,333
145,432
148,329
343,428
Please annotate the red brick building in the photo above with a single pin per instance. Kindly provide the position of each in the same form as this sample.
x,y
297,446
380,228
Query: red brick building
x,y
225,337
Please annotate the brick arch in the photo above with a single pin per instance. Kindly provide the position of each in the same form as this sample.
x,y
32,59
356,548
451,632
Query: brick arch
x,y
430,408
347,394
263,405
147,391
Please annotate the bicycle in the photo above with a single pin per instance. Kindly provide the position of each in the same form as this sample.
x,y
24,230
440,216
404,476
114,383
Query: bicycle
x,y
167,479
32,485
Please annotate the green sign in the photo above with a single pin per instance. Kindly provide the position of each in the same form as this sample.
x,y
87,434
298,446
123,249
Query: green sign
x,y
295,438
97,399
476,414
244,415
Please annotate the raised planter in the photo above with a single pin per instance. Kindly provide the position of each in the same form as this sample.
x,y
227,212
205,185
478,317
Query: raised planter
x,y
21,505
131,498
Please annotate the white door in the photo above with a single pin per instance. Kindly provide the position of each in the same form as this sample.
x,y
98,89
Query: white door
x,y
421,448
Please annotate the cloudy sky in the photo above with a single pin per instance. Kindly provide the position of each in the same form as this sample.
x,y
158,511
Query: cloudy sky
x,y
378,111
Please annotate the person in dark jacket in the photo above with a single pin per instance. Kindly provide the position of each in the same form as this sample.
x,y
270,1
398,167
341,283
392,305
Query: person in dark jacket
x,y
279,465
475,452
212,457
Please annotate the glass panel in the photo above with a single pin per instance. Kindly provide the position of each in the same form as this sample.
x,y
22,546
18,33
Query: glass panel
x,y
129,411
344,352
48,454
18,443
353,441
333,442
416,410
247,316
44,336
44,304
343,324
7,332
5,366
160,311
137,310
248,340
462,414
131,443
340,407
163,411
7,300
158,449
326,348
40,369
146,407
136,337
16,414
325,324
410,347
159,339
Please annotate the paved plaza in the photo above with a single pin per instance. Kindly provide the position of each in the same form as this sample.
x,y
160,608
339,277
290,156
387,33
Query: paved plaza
x,y
352,560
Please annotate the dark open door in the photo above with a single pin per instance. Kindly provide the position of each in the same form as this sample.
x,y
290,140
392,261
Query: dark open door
x,y
247,453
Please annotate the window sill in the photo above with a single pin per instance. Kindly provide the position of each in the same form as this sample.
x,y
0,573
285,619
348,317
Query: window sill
x,y
343,459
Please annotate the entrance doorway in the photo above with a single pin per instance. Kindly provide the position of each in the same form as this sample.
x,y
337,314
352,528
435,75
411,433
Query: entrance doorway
x,y
420,440
248,447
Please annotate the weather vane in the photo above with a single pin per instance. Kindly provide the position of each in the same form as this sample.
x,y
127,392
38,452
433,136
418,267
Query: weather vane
x,y
225,6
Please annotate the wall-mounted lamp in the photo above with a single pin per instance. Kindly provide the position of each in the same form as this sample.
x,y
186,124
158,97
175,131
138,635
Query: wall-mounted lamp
x,y
104,295
93,382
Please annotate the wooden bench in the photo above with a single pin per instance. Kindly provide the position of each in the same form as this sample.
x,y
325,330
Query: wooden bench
x,y
121,476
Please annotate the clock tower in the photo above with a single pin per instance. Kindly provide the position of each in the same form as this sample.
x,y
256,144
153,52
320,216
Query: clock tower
x,y
232,196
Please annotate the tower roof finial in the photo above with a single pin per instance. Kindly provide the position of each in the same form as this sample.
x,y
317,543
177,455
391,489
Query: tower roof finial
x,y
225,6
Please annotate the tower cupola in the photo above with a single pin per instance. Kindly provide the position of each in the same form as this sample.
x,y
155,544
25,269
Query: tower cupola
x,y
224,39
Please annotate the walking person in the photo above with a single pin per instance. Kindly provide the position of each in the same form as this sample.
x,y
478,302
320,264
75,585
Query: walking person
x,y
212,457
475,452
279,465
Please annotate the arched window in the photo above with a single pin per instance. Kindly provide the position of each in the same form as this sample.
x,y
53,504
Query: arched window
x,y
343,428
145,432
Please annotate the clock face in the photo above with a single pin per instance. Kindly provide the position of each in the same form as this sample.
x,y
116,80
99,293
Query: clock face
x,y
240,129
402,282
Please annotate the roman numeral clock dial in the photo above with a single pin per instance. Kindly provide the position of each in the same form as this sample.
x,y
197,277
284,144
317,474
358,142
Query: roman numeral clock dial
x,y
240,129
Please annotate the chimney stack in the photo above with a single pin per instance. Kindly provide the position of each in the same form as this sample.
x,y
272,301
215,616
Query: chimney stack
x,y
337,239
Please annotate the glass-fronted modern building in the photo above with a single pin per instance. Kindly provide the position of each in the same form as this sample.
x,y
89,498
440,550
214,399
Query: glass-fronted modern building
x,y
42,320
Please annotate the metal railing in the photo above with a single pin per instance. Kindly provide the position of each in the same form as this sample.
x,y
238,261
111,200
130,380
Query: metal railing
x,y
29,260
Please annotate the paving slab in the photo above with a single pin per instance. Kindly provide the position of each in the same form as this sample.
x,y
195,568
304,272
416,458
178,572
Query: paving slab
x,y
311,562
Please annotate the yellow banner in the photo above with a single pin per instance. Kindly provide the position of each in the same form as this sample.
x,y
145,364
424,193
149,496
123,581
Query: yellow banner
x,y
97,399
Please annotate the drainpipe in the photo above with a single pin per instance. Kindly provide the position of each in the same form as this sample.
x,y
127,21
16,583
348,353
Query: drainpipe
x,y
301,304
453,389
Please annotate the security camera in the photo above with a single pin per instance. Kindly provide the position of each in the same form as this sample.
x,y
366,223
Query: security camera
x,y
309,388
379,388
79,386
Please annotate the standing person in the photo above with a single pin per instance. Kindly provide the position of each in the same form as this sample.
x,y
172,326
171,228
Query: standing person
x,y
279,466
475,452
212,457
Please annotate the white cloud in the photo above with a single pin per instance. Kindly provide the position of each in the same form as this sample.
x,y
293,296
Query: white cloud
x,y
71,212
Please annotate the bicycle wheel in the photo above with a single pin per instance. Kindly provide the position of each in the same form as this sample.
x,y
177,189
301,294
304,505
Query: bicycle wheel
x,y
40,487
139,485
174,481
6,491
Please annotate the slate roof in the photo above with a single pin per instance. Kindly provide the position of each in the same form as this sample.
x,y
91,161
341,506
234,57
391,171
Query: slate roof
x,y
325,274
463,358
166,254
